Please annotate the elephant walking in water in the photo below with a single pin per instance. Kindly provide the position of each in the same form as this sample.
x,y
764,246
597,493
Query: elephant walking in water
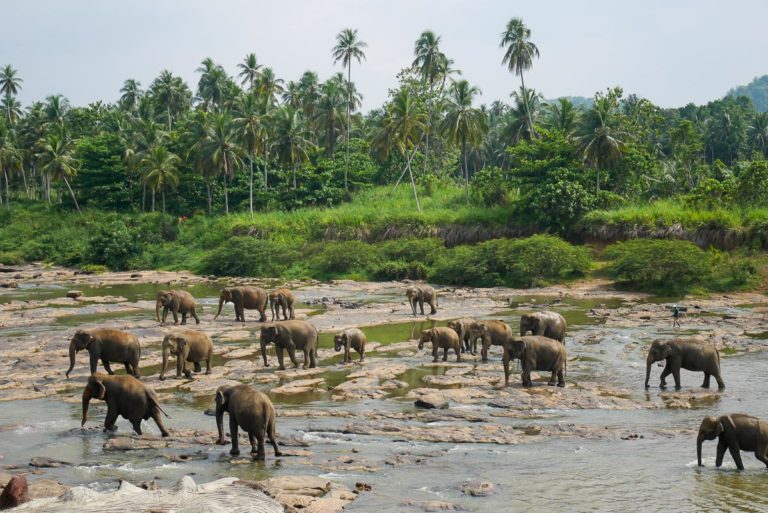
x,y
546,324
107,345
290,336
736,432
178,302
251,410
420,294
350,338
285,299
536,353
688,354
441,338
252,298
187,346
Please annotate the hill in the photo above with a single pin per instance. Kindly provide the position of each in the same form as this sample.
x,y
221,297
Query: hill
x,y
757,91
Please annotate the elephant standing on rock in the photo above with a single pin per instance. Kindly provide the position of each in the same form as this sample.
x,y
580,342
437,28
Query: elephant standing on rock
x,y
545,324
252,298
290,336
462,329
494,333
107,345
282,298
441,338
536,353
422,294
126,396
178,302
251,410
187,346
689,354
351,338
736,432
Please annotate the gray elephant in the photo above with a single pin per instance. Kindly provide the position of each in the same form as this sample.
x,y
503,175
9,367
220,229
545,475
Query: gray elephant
x,y
290,336
282,298
178,302
420,294
187,346
125,396
462,329
536,354
689,354
350,338
545,324
107,345
251,410
736,432
441,338
252,298
492,333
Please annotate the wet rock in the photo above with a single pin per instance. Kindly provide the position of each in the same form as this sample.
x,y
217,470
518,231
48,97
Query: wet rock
x,y
363,487
481,489
43,462
299,386
16,492
431,506
431,401
74,294
148,485
43,488
9,285
136,275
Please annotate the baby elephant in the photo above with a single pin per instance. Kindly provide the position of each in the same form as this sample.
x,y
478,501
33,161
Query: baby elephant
x,y
350,338
536,353
187,346
178,302
462,329
736,432
689,354
249,409
282,298
125,396
441,338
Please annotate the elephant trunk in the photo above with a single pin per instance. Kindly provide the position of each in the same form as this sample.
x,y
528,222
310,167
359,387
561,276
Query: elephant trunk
x,y
72,352
263,345
699,441
158,305
648,364
221,303
166,353
86,402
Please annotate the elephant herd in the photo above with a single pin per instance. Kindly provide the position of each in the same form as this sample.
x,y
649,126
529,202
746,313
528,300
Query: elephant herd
x,y
539,345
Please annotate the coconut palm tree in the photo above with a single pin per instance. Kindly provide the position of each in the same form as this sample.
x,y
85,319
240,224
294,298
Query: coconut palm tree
x,y
161,171
292,139
562,115
519,50
758,132
250,126
10,83
348,47
12,109
57,161
429,62
56,108
170,93
601,143
10,160
269,86
249,70
330,111
131,94
212,85
523,115
219,147
464,125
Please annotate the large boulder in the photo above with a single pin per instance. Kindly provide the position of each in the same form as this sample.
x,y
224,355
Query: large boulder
x,y
16,492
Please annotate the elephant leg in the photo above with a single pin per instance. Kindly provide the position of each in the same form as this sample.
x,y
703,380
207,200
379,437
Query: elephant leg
x,y
135,365
433,310
313,358
421,306
560,378
273,441
183,319
175,313
292,355
208,365
761,455
721,448
252,440
736,455
347,356
362,354
159,421
235,451
198,367
484,351
293,312
676,376
107,367
306,357
445,354
720,382
127,368
263,313
552,378
279,351
458,354
187,372
260,435
109,422
706,380
165,314
194,315
137,426
666,372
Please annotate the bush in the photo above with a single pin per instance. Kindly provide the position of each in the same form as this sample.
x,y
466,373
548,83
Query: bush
x,y
413,250
490,187
94,268
246,256
660,266
344,257
11,258
752,184
399,270
113,245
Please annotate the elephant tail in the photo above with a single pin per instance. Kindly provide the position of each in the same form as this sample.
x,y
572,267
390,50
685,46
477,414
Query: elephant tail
x,y
153,400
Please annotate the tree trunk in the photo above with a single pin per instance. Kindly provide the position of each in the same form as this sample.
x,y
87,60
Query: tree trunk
x,y
466,168
7,190
153,200
250,186
169,118
226,193
162,195
24,179
266,165
144,196
208,187
293,170
72,193
598,181
349,108
413,184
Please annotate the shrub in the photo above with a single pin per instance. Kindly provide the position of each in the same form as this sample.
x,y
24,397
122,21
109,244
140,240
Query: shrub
x,y
490,187
399,270
94,268
752,184
661,266
246,256
413,250
337,258
113,245
11,258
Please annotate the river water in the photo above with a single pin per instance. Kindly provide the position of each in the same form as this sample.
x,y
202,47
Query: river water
x,y
648,473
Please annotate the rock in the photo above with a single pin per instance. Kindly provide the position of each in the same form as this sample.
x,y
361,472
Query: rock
x,y
148,485
431,402
299,386
481,489
43,462
136,275
9,285
434,505
362,487
74,294
16,492
17,277
43,488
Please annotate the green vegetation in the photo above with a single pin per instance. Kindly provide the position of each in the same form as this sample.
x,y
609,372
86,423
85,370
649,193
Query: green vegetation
x,y
757,91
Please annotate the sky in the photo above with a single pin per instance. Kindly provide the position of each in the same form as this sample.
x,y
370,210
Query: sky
x,y
670,51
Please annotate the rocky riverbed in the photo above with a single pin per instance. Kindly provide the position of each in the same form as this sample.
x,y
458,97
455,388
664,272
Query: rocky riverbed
x,y
357,426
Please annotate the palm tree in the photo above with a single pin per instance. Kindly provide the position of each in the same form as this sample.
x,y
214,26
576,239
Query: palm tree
x,y
464,124
161,171
524,114
58,162
562,115
131,94
219,147
292,139
249,70
56,108
758,132
348,47
10,159
212,84
520,51
329,112
269,86
429,62
601,145
250,129
171,93
10,83
12,109
402,128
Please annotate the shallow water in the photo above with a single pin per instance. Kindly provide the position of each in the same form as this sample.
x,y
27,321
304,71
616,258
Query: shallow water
x,y
571,474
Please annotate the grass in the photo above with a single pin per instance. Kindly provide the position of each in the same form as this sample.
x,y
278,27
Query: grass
x,y
666,213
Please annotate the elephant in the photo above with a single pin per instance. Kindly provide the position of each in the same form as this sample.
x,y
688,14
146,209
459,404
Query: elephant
x,y
107,345
350,338
178,302
125,396
422,294
282,298
546,324
441,338
736,432
494,333
244,297
187,346
536,353
291,335
690,354
251,410
461,327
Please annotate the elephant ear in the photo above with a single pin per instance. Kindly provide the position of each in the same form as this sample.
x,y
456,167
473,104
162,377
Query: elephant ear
x,y
101,390
221,395
181,343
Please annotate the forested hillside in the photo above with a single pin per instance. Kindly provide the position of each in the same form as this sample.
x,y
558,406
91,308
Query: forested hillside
x,y
757,91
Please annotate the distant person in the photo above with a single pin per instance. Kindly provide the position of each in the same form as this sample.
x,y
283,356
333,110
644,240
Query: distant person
x,y
675,316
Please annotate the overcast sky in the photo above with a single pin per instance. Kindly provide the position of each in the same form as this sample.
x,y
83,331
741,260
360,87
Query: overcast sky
x,y
670,51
